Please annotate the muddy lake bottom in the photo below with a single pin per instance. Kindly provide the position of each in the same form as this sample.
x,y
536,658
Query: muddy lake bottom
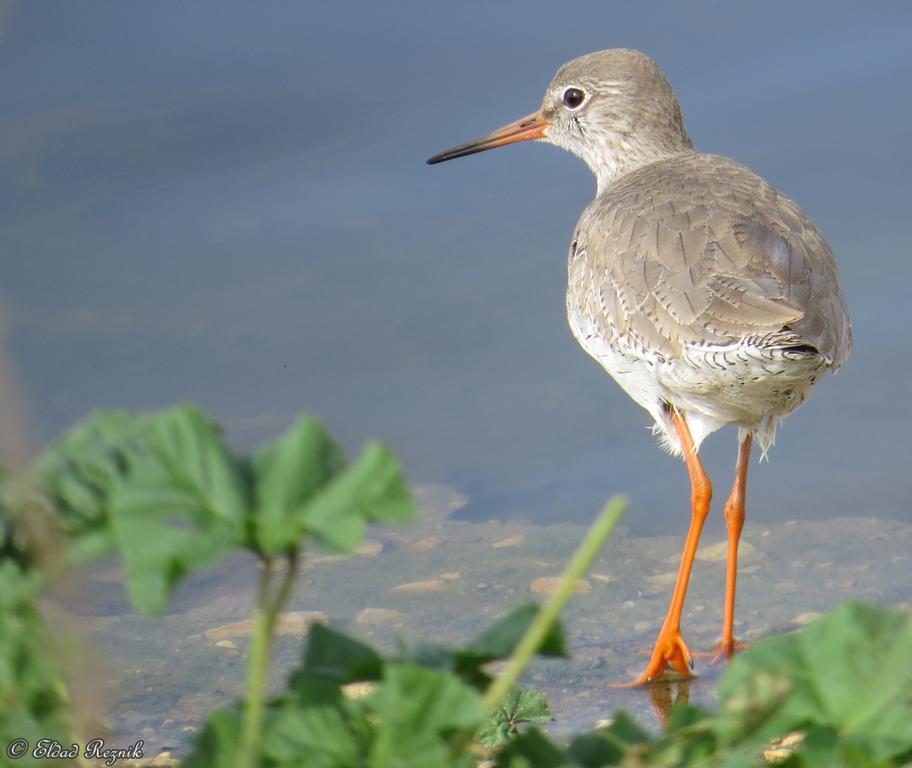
x,y
443,581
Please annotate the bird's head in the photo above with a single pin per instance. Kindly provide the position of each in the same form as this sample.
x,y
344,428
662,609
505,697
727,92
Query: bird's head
x,y
614,109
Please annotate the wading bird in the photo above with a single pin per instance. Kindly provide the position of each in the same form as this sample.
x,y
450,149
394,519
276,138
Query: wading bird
x,y
710,297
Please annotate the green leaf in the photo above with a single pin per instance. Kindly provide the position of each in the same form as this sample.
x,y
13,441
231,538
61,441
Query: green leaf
x,y
521,706
407,722
528,706
496,642
14,544
626,732
685,717
316,737
288,472
593,750
499,640
418,710
160,487
33,695
218,743
533,750
372,490
181,504
848,671
336,657
78,472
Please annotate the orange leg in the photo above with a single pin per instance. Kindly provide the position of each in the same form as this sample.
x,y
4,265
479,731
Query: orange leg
x,y
670,648
734,520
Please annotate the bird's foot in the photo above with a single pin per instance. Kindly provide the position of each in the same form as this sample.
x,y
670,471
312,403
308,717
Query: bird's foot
x,y
670,651
724,651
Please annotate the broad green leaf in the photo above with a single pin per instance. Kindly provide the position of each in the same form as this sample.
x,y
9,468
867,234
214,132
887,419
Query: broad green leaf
x,y
593,750
371,490
689,740
189,447
180,505
467,667
499,640
528,706
91,545
496,642
848,671
521,706
316,737
533,749
336,657
684,716
14,545
78,472
218,743
33,694
288,471
417,710
160,487
625,731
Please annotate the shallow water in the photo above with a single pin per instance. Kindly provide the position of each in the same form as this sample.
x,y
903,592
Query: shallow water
x,y
229,205
443,580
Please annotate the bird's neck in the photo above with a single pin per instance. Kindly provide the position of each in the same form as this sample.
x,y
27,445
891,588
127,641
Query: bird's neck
x,y
616,155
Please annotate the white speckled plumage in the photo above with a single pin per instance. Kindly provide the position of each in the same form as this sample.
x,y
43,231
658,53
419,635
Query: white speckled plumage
x,y
692,281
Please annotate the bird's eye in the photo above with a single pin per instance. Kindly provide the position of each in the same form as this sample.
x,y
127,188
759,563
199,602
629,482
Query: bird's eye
x,y
573,97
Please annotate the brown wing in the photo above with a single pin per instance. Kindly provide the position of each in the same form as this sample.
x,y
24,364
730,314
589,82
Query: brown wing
x,y
699,250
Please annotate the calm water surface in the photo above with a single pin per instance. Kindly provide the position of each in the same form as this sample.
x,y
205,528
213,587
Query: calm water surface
x,y
228,204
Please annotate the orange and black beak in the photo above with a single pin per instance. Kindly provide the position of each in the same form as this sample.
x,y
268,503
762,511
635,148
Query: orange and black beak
x,y
531,127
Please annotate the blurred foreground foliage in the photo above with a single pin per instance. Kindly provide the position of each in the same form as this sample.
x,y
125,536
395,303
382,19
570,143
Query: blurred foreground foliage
x,y
164,492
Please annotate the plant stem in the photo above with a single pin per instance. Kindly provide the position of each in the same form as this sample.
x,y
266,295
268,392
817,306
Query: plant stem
x,y
284,591
268,608
579,564
257,672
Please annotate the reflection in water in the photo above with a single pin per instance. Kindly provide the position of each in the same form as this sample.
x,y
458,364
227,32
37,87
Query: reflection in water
x,y
664,694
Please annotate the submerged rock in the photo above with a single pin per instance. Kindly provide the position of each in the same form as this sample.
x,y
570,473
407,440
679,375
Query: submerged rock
x,y
296,623
370,616
429,585
547,585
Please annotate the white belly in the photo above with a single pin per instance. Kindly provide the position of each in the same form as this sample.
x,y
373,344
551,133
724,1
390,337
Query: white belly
x,y
750,386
